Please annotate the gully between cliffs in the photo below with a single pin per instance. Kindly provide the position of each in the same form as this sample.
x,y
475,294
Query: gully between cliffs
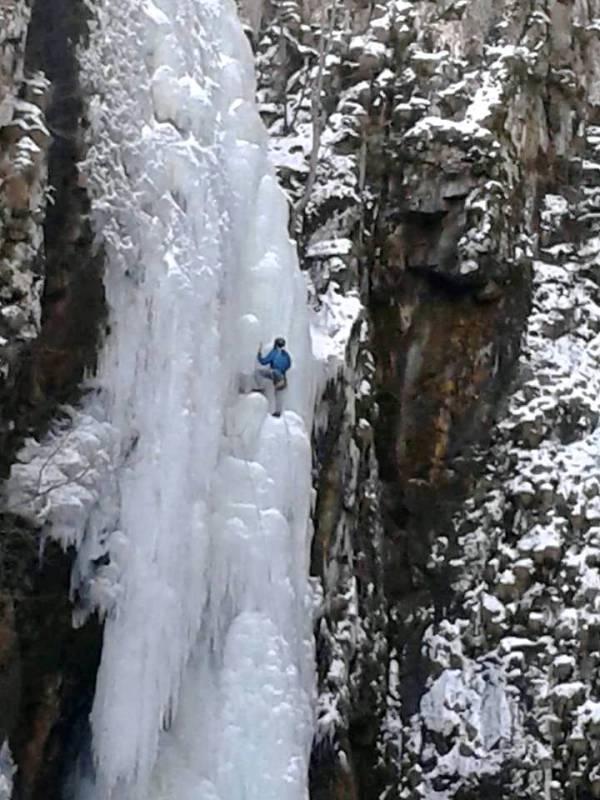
x,y
47,669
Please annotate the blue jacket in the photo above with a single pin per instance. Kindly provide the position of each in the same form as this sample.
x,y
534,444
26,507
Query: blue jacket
x,y
278,359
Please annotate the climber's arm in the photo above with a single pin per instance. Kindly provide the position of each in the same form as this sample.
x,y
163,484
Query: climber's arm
x,y
265,360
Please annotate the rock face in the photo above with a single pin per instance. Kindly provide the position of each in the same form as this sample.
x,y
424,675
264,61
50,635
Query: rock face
x,y
523,616
51,304
452,193
24,140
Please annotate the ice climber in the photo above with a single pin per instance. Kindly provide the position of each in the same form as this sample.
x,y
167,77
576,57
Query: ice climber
x,y
270,375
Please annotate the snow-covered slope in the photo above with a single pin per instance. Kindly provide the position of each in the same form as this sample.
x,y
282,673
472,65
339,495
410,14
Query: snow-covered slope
x,y
189,500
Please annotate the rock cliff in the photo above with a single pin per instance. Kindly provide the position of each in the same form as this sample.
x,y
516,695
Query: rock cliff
x,y
51,307
451,190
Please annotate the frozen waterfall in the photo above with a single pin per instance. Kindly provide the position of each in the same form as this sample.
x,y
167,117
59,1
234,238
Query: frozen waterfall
x,y
212,636
201,497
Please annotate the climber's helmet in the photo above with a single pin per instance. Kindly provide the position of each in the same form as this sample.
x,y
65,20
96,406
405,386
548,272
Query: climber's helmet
x,y
279,342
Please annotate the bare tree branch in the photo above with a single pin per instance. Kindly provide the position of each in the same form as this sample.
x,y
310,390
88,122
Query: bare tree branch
x,y
318,120
302,97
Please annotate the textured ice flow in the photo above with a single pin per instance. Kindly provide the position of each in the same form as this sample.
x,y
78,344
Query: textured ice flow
x,y
210,638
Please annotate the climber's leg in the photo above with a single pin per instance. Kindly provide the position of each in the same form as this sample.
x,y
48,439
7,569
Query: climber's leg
x,y
278,402
263,382
256,381
263,374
